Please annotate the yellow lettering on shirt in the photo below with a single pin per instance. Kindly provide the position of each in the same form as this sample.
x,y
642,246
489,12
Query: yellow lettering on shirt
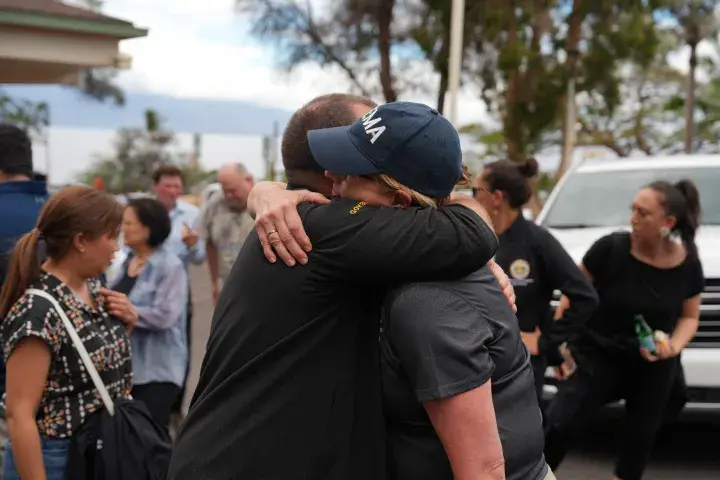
x,y
357,207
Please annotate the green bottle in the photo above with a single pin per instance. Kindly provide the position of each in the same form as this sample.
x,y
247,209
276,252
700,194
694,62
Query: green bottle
x,y
645,334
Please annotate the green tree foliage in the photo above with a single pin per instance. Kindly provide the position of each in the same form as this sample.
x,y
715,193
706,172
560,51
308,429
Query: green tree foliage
x,y
696,20
373,42
636,118
519,56
33,117
527,54
99,83
138,152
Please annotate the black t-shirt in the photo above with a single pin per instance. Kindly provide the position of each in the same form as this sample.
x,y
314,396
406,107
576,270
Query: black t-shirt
x,y
537,266
290,382
440,339
126,282
628,287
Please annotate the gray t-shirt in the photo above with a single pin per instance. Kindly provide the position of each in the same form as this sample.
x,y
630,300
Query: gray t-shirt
x,y
440,339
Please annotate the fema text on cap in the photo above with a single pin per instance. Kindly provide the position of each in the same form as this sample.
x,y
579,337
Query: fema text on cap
x,y
369,122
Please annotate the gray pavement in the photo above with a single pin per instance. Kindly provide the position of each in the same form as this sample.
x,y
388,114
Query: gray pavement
x,y
688,451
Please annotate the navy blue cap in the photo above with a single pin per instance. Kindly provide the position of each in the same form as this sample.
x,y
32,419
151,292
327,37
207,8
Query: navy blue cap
x,y
410,142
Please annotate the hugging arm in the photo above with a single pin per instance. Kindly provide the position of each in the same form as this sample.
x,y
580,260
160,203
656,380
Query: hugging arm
x,y
386,245
274,209
425,242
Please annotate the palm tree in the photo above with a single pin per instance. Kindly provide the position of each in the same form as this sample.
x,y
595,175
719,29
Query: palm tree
x,y
99,83
697,20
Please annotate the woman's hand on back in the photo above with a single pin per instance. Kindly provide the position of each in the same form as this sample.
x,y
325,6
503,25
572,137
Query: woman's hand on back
x,y
278,223
120,307
505,283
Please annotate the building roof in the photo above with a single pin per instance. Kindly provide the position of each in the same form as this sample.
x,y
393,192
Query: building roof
x,y
56,15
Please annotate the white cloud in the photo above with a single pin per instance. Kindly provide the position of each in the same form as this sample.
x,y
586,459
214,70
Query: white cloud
x,y
202,49
196,49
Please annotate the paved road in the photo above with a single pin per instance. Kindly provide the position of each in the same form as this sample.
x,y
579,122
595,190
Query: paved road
x,y
690,451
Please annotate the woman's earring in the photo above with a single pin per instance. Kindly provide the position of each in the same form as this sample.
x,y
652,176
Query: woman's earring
x,y
664,232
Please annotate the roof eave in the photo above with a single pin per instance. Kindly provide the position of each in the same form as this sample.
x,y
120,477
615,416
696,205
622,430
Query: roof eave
x,y
110,28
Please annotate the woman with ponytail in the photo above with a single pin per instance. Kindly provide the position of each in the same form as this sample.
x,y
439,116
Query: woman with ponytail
x,y
648,279
48,392
536,263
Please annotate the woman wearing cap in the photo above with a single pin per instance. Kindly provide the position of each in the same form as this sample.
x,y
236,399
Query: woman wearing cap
x,y
537,263
452,403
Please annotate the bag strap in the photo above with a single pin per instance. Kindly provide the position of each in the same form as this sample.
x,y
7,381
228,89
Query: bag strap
x,y
80,347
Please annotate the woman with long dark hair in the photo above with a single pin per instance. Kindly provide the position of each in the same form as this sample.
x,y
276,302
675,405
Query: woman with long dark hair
x,y
536,263
49,395
648,280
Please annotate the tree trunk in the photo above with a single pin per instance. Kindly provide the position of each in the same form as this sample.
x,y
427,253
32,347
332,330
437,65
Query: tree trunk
x,y
443,69
510,129
690,96
575,20
442,90
384,17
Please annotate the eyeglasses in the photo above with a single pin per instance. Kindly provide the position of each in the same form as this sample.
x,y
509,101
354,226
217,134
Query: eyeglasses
x,y
475,190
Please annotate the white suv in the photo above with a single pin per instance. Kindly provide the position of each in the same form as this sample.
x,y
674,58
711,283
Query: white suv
x,y
594,198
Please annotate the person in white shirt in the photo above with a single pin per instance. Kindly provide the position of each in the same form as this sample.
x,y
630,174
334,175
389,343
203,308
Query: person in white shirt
x,y
184,240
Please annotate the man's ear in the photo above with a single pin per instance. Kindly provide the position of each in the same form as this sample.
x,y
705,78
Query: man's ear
x,y
402,199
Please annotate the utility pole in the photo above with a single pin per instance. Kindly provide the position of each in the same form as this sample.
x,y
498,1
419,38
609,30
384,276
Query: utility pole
x,y
270,152
570,119
457,27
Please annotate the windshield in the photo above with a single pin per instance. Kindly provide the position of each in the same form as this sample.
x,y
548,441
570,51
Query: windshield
x,y
603,199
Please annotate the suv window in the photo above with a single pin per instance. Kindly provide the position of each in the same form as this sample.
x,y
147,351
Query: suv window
x,y
603,199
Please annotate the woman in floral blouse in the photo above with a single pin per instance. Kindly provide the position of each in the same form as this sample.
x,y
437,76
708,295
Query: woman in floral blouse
x,y
49,393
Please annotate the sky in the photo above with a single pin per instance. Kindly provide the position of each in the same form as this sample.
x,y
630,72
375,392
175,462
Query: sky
x,y
202,49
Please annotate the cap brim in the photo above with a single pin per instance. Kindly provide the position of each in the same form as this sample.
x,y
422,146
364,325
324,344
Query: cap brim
x,y
334,150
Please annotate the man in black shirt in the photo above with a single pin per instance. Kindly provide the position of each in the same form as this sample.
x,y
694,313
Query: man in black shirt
x,y
289,384
451,339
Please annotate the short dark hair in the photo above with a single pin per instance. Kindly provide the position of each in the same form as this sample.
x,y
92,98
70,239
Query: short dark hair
x,y
167,170
72,210
512,179
15,151
153,215
326,111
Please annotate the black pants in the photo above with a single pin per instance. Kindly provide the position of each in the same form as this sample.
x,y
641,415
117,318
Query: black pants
x,y
676,401
678,397
158,397
177,406
646,388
